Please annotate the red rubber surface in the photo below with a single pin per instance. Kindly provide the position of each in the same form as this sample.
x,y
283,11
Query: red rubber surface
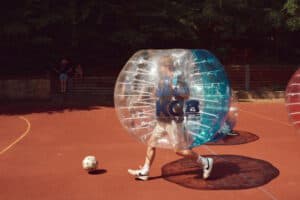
x,y
46,164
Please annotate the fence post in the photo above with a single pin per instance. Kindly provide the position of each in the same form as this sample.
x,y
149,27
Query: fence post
x,y
247,77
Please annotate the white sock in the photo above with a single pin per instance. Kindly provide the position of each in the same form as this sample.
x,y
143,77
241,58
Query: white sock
x,y
145,169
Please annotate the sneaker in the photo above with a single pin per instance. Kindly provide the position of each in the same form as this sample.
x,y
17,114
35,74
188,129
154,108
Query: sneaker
x,y
207,167
232,133
139,174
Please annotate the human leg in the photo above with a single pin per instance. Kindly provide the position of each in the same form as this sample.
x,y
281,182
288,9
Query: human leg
x,y
181,145
63,82
207,163
143,172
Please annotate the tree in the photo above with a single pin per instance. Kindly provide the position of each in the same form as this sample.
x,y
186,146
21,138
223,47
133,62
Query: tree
x,y
46,29
292,11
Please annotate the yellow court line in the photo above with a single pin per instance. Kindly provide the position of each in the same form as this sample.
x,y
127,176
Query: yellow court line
x,y
19,138
266,118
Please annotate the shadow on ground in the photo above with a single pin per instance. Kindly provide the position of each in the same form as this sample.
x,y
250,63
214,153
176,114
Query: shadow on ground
x,y
57,103
238,137
98,172
230,172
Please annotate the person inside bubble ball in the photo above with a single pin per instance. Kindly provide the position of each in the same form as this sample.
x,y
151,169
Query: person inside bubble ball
x,y
171,90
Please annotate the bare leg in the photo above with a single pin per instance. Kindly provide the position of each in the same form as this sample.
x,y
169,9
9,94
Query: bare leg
x,y
207,163
151,151
143,173
188,153
183,151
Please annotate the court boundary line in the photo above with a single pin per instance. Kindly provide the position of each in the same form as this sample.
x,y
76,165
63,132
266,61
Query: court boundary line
x,y
268,193
260,188
20,137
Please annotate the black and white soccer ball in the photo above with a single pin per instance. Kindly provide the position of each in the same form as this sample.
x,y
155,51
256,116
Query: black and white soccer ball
x,y
90,163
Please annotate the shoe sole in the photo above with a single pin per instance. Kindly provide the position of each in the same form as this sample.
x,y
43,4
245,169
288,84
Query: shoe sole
x,y
142,178
138,176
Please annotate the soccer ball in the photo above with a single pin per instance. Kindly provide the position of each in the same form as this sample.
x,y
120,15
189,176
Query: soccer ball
x,y
90,163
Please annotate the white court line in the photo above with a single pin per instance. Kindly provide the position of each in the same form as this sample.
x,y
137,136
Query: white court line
x,y
266,192
266,118
19,138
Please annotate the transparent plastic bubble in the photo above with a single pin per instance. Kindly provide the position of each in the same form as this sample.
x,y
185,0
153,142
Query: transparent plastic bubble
x,y
173,98
230,121
292,99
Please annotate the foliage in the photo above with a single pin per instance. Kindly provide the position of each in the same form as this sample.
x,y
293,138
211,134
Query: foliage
x,y
116,28
292,11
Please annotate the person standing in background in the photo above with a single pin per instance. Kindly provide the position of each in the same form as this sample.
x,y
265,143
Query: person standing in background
x,y
63,70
